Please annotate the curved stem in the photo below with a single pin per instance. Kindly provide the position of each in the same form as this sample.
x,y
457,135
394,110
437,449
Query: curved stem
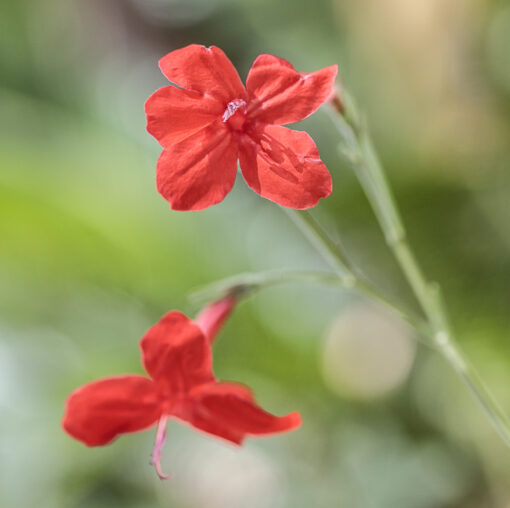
x,y
246,284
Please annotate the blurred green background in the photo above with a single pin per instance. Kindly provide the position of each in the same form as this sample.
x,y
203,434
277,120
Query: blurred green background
x,y
91,255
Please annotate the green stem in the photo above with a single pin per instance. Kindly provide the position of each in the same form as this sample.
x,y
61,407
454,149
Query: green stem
x,y
246,284
346,272
358,148
330,251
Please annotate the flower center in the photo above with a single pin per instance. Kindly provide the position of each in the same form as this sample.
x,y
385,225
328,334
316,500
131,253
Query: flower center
x,y
235,114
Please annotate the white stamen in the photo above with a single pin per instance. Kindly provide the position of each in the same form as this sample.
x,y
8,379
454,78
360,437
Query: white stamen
x,y
232,107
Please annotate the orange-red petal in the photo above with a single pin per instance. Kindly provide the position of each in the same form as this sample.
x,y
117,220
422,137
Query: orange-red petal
x,y
278,94
200,170
229,411
177,355
284,166
98,412
173,114
204,70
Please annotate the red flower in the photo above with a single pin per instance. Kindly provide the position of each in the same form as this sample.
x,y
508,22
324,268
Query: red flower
x,y
212,120
176,353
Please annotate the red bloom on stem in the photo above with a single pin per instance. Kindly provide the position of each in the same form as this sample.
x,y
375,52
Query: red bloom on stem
x,y
176,353
212,120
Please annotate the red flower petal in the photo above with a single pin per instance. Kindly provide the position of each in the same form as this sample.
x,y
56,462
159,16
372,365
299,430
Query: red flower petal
x,y
211,318
176,354
228,410
199,171
278,94
284,166
174,114
98,412
205,70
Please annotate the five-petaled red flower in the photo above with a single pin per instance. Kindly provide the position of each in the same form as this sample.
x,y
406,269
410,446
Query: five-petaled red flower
x,y
212,120
176,353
